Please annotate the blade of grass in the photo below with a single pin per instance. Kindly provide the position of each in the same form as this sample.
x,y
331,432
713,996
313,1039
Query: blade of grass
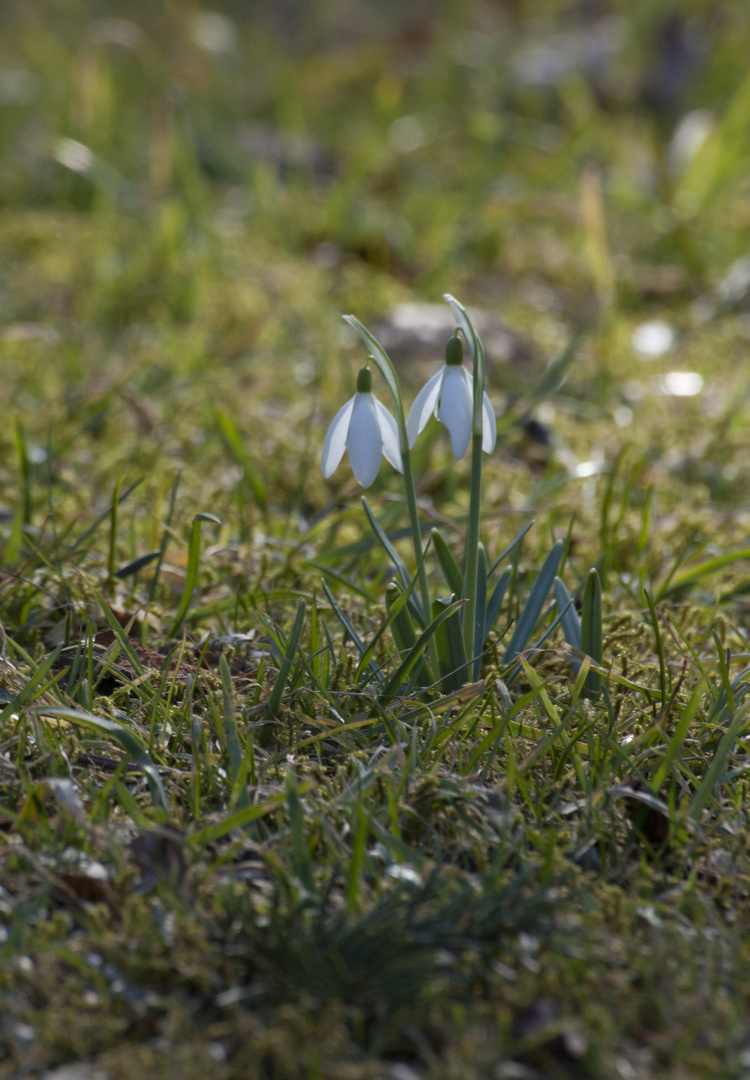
x,y
191,573
348,628
301,862
398,562
693,574
591,630
241,818
687,716
357,859
285,668
713,774
515,542
33,687
663,676
236,448
128,740
165,536
137,564
235,749
481,611
113,527
102,517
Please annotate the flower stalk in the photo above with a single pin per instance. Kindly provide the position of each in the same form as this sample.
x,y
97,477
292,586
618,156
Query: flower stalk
x,y
367,430
382,361
471,557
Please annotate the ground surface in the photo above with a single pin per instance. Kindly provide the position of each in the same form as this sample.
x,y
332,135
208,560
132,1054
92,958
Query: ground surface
x,y
232,855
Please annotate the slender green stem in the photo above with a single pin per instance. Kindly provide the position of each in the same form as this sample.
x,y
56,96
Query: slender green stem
x,y
382,361
416,534
471,558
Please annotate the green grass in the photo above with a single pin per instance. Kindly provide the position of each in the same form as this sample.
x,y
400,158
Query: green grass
x,y
239,836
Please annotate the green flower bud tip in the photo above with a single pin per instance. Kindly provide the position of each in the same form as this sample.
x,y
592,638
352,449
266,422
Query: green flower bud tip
x,y
454,351
364,381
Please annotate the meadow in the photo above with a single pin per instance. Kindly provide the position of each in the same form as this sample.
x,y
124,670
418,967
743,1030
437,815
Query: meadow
x,y
261,813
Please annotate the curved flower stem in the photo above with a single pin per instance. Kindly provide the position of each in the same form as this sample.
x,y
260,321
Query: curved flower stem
x,y
471,558
383,363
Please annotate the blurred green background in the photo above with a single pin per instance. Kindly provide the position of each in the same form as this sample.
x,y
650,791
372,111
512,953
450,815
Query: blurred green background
x,y
190,197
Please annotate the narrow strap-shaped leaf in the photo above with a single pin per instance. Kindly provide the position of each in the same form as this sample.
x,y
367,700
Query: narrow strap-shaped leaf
x,y
532,609
450,649
404,633
406,665
535,646
495,601
398,604
454,579
469,587
571,624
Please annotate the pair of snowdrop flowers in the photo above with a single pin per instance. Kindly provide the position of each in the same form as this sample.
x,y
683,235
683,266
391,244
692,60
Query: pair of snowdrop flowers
x,y
366,428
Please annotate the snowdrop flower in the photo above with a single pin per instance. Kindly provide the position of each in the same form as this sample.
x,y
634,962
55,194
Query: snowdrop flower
x,y
367,430
450,396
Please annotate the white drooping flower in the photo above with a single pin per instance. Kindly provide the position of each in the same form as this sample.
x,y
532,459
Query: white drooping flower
x,y
367,430
450,396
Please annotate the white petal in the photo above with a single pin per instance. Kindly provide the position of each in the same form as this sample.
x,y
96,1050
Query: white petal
x,y
335,444
424,404
365,441
489,426
389,432
455,406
